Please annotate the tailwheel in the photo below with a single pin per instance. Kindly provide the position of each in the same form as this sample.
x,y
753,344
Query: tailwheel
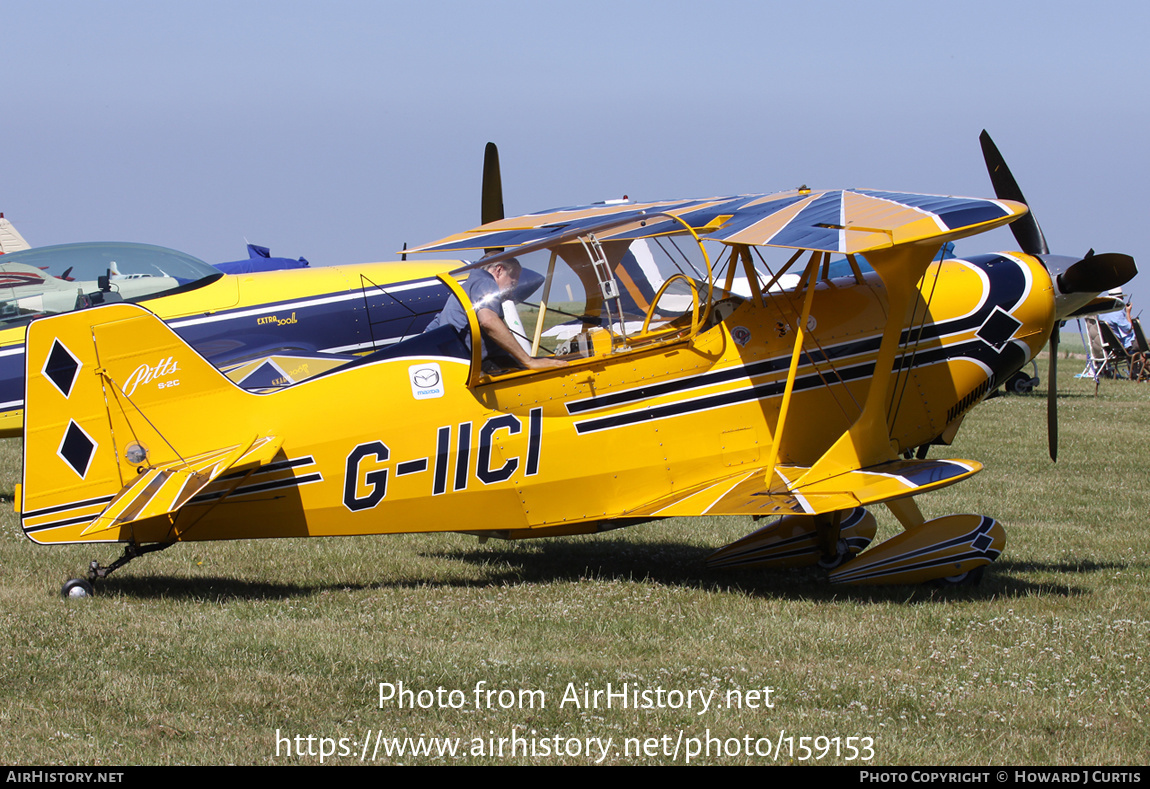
x,y
85,587
77,587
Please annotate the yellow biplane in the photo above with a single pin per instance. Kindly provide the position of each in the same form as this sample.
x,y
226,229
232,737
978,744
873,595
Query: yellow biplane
x,y
804,404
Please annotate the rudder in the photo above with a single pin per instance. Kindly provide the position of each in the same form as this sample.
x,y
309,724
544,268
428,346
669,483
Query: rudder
x,y
112,393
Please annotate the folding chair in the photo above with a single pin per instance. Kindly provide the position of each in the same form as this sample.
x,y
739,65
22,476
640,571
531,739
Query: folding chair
x,y
1117,357
1095,349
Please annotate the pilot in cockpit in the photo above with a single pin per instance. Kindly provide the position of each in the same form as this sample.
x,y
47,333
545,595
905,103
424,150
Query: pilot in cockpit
x,y
486,288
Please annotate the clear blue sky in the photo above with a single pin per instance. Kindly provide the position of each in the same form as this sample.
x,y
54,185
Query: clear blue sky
x,y
340,130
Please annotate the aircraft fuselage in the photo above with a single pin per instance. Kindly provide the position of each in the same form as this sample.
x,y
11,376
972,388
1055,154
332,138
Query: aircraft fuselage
x,y
402,444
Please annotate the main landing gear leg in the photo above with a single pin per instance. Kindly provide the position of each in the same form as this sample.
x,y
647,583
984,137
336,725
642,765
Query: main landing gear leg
x,y
834,550
85,587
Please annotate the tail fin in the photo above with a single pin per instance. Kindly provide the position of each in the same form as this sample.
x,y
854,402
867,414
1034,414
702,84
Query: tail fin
x,y
124,422
10,238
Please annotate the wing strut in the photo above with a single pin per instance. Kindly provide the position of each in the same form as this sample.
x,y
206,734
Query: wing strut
x,y
752,275
543,302
811,278
867,442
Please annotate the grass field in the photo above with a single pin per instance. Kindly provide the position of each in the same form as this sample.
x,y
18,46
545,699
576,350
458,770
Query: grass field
x,y
226,653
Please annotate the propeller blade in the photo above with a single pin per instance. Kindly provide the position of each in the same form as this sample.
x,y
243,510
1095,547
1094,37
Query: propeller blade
x,y
1026,230
1098,273
1052,397
492,200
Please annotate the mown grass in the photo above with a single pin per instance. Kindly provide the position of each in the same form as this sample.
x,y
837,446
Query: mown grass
x,y
202,653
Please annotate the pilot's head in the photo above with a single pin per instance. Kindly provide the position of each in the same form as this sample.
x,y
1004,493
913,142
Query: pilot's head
x,y
506,273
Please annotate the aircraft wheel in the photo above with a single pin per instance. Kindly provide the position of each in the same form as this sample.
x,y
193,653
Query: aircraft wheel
x,y
1020,383
842,553
77,587
969,578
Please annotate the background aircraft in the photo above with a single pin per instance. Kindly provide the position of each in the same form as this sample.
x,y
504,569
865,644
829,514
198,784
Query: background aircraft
x,y
268,322
263,328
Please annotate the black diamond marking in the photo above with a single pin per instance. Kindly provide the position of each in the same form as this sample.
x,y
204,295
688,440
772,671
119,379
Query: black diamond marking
x,y
61,368
982,542
77,449
1000,326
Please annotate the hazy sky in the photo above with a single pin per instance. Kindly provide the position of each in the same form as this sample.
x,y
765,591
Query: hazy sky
x,y
340,130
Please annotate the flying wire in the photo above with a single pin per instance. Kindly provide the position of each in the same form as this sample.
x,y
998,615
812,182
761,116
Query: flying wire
x,y
915,332
789,296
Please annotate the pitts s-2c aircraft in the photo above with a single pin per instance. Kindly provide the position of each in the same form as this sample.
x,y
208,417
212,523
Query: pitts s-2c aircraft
x,y
806,405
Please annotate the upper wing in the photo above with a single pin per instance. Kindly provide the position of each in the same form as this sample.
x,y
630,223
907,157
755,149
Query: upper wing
x,y
846,221
852,221
554,224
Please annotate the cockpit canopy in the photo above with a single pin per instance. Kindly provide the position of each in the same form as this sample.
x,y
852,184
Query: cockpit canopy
x,y
66,277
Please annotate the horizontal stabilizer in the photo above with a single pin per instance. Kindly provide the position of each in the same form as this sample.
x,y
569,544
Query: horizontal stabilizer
x,y
748,493
163,489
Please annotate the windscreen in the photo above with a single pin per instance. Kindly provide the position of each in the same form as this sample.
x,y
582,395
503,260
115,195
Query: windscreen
x,y
66,277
